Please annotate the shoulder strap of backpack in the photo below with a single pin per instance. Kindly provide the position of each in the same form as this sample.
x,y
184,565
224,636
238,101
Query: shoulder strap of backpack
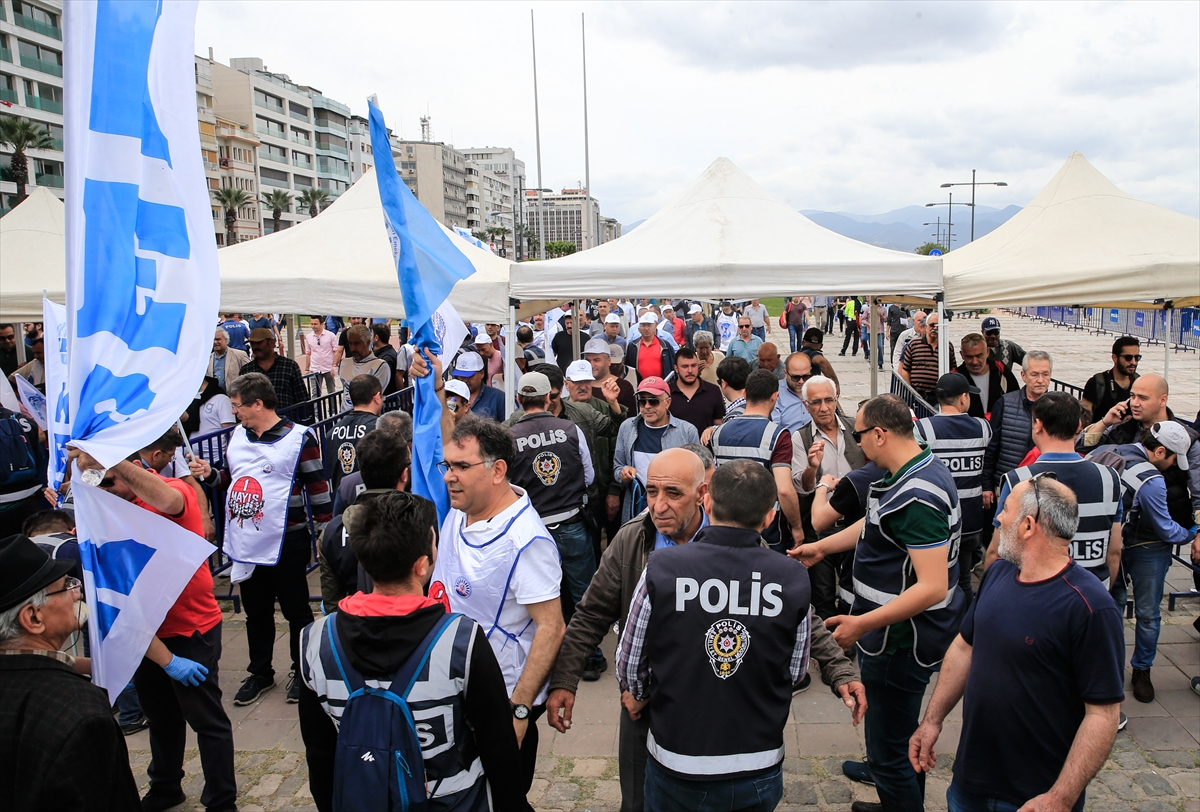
x,y
354,681
406,677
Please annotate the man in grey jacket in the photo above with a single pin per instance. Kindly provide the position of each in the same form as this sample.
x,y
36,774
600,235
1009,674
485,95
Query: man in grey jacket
x,y
654,430
675,489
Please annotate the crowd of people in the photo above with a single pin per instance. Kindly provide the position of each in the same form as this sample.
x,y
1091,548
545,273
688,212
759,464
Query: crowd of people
x,y
684,478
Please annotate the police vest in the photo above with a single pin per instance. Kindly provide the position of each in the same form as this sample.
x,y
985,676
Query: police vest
x,y
1098,491
960,441
453,772
256,505
725,613
1016,432
861,479
748,437
341,446
883,569
1138,471
549,465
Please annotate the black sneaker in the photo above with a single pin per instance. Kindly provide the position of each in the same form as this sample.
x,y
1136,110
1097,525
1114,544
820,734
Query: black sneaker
x,y
293,689
858,771
159,800
593,668
803,685
252,688
141,723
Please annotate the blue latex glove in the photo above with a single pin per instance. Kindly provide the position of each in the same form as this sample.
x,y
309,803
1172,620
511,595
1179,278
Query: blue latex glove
x,y
186,671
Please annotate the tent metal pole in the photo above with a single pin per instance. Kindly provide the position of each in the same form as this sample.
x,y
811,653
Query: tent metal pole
x,y
943,339
291,335
510,360
575,328
1167,342
871,347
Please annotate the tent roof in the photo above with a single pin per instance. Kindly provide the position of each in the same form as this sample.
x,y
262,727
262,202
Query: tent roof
x,y
32,256
1082,241
341,262
726,236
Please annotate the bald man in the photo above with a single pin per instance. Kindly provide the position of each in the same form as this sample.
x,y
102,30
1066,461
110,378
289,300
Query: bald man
x,y
768,359
675,489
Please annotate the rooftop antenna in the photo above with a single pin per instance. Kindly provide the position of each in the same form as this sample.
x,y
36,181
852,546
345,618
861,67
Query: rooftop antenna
x,y
426,128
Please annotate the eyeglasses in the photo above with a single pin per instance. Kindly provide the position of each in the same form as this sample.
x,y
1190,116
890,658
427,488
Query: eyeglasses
x,y
1037,497
822,402
799,378
1128,358
857,435
649,401
69,585
458,467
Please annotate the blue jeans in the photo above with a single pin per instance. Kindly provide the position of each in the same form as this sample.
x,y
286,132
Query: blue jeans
x,y
959,801
128,706
761,332
578,561
796,336
1147,567
895,685
666,793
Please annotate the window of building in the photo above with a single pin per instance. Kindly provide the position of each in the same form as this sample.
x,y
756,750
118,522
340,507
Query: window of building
x,y
8,88
302,182
272,177
268,101
298,112
39,58
268,127
36,18
271,152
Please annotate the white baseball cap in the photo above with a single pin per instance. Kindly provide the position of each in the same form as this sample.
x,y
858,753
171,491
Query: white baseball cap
x,y
596,346
579,371
1173,437
468,364
482,337
458,388
612,318
648,318
695,309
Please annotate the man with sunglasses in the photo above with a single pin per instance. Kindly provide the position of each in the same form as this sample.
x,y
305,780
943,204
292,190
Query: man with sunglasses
x,y
1112,386
639,440
907,605
745,344
789,410
1039,661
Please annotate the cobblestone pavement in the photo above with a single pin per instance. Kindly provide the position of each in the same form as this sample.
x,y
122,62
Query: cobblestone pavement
x,y
1154,767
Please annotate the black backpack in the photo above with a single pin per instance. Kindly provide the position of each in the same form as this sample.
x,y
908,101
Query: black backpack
x,y
18,466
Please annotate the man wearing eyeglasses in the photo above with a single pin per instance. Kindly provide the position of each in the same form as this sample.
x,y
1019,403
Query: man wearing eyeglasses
x,y
789,410
745,344
907,605
1012,424
1112,386
639,440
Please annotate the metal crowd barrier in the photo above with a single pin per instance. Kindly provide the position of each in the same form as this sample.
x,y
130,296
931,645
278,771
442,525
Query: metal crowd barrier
x,y
1148,325
211,447
906,393
1062,386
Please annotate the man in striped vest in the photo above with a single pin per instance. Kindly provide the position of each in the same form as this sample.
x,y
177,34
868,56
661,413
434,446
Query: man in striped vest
x,y
959,440
1097,543
752,436
458,702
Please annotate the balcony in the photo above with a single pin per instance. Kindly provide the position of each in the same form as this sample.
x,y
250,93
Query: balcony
x,y
334,148
266,105
38,103
266,181
266,156
45,29
54,181
5,54
324,124
45,66
7,95
210,166
336,171
268,131
330,104
301,140
300,163
298,116
56,144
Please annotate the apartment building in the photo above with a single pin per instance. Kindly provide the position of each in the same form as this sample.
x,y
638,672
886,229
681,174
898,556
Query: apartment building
x,y
31,86
507,168
436,174
490,205
564,217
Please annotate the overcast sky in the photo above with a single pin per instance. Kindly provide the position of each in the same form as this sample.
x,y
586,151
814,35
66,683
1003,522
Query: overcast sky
x,y
853,106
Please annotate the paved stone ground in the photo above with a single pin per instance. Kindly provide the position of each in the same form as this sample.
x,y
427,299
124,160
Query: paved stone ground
x,y
1154,767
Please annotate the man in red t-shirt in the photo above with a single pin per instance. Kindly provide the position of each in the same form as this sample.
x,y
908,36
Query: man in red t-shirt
x,y
648,357
178,681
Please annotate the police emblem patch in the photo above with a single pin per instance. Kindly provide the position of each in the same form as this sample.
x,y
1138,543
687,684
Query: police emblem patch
x,y
547,466
726,643
345,455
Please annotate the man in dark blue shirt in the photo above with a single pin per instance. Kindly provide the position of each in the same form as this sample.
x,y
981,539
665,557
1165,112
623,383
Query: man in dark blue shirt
x,y
1040,656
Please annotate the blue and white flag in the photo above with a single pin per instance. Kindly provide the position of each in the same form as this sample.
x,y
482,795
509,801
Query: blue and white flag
x,y
33,401
135,564
54,319
142,278
428,266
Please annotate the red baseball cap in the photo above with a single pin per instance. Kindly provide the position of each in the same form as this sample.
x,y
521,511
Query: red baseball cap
x,y
655,385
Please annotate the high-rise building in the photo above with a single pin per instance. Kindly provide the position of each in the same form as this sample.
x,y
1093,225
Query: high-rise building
x,y
31,86
362,156
564,218
507,168
490,207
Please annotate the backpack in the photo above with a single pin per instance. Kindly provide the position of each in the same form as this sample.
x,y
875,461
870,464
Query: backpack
x,y
17,464
378,763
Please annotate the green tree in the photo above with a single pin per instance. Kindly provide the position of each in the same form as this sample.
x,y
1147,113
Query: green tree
x,y
559,248
21,134
231,200
498,233
929,246
278,201
529,235
314,200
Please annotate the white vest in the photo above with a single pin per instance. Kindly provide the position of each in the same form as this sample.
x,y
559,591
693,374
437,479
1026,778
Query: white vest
x,y
256,505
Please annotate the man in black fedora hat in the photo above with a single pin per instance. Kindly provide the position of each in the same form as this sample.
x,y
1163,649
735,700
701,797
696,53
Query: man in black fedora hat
x,y
60,745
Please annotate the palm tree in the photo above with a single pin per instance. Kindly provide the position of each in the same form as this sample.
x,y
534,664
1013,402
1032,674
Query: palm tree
x,y
231,200
314,200
278,200
497,233
22,134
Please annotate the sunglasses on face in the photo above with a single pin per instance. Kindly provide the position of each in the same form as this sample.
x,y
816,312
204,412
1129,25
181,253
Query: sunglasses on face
x,y
799,378
1128,358
649,401
743,326
858,434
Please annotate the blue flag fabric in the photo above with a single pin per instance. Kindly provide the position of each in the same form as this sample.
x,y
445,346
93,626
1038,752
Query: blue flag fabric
x,y
428,266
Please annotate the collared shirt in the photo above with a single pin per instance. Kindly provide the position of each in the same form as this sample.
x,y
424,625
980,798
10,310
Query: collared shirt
x,y
703,409
218,364
757,315
320,348
745,349
661,541
285,376
61,656
735,408
790,411
834,461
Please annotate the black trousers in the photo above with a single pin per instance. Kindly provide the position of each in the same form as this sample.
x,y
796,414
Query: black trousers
x,y
287,583
169,705
969,554
631,760
851,333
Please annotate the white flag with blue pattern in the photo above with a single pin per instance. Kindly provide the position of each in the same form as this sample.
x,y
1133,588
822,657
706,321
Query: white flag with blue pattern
x,y
135,564
142,278
54,317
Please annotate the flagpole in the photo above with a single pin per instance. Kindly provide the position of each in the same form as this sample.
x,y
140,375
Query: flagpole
x,y
537,130
587,171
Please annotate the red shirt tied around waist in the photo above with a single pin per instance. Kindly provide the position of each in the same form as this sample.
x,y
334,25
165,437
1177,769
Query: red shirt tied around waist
x,y
196,608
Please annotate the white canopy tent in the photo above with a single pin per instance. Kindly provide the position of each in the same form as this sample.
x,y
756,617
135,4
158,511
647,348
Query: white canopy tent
x,y
1082,241
726,236
32,256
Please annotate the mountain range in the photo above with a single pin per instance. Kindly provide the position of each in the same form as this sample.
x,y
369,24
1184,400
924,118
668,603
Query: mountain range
x,y
902,229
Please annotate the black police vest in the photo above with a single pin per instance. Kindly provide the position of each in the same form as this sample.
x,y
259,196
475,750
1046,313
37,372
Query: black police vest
x,y
960,441
1098,490
1138,471
725,613
341,447
549,465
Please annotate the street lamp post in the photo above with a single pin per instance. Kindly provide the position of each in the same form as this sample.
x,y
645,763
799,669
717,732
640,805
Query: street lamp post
x,y
950,215
938,233
973,184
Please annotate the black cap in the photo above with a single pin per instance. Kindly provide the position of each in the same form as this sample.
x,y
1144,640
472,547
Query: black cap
x,y
26,569
953,384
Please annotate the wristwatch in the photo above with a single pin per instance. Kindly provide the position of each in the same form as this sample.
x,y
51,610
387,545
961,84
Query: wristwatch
x,y
520,712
